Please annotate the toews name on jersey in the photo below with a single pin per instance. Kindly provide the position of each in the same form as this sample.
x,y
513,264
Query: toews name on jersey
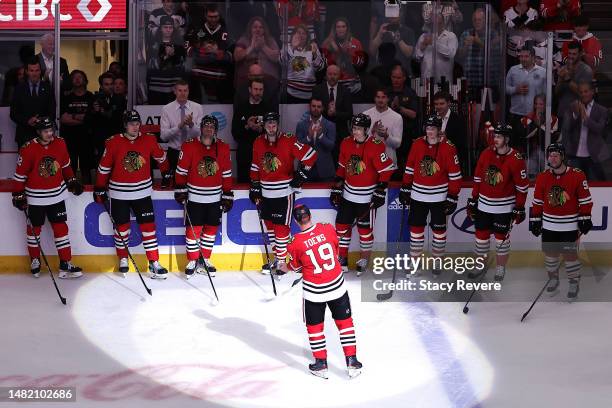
x,y
125,166
41,171
315,251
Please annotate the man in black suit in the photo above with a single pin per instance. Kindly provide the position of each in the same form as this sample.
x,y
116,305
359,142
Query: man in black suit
x,y
46,58
337,103
453,127
32,99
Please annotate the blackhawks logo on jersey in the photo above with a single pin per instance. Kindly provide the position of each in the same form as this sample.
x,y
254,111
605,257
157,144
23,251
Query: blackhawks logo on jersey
x,y
207,167
355,165
428,166
299,64
133,161
493,176
557,196
270,163
48,167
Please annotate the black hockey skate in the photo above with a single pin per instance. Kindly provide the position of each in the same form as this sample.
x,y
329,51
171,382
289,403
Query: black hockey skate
x,y
190,268
124,267
157,271
319,368
354,366
475,273
574,288
69,271
343,263
35,267
553,286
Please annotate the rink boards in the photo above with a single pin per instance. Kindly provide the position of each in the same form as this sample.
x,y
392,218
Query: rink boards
x,y
239,241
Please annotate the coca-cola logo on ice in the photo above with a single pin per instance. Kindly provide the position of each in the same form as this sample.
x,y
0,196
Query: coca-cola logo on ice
x,y
74,14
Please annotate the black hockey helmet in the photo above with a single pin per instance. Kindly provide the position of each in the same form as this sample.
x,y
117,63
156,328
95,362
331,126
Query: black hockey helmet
x,y
556,147
502,129
433,120
44,123
300,211
131,116
271,116
362,120
210,120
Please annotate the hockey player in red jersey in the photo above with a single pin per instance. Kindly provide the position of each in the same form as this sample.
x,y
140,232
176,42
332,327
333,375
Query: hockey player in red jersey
x,y
314,253
125,172
203,183
431,185
360,187
273,181
560,212
498,198
42,176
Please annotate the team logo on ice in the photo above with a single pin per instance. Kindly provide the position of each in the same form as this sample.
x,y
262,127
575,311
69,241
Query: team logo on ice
x,y
270,163
493,176
557,196
133,161
207,167
428,166
355,165
48,167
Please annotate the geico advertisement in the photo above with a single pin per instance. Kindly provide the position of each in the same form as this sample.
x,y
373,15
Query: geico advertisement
x,y
91,231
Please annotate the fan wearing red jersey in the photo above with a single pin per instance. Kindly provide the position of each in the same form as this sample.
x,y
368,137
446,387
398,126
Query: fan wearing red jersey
x,y
498,198
273,182
42,176
364,170
431,185
560,212
314,253
203,184
125,172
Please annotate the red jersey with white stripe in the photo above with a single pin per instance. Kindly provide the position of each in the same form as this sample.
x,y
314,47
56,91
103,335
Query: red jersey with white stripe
x,y
500,181
432,170
551,13
560,200
272,163
363,166
125,167
41,171
206,170
592,49
315,250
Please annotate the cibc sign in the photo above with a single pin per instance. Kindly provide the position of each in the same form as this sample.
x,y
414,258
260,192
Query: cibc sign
x,y
74,14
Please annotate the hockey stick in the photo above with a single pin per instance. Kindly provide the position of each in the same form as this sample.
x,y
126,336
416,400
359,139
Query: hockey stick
x,y
126,249
545,285
263,237
536,299
466,309
212,285
62,299
388,295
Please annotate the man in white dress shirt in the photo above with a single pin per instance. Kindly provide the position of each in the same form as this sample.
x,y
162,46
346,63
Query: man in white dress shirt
x,y
179,122
387,124
446,44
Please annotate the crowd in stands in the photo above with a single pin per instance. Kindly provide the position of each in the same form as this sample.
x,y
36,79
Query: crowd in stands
x,y
330,56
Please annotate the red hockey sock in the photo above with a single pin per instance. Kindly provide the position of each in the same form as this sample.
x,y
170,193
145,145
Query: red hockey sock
x,y
347,336
191,242
502,248
31,235
62,242
207,240
438,242
482,242
417,240
316,336
281,233
270,233
149,240
366,239
124,230
344,236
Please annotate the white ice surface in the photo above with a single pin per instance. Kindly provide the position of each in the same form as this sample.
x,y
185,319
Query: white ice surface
x,y
121,348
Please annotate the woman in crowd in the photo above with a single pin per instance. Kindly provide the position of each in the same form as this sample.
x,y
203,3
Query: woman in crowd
x,y
257,46
342,49
534,125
